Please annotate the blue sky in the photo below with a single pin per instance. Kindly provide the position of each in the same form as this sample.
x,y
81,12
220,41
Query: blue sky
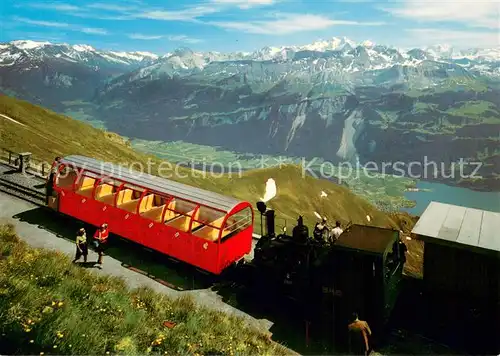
x,y
246,25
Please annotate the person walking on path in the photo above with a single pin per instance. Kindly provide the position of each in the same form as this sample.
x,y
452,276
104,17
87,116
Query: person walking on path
x,y
101,240
359,333
81,246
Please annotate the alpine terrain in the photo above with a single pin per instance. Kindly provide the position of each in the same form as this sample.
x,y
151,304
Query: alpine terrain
x,y
334,99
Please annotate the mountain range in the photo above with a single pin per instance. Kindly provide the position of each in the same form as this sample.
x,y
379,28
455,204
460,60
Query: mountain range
x,y
334,99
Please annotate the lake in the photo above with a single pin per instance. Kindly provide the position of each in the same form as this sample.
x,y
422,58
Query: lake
x,y
452,195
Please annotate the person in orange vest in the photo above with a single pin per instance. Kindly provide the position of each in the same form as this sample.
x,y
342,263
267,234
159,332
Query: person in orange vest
x,y
359,333
101,240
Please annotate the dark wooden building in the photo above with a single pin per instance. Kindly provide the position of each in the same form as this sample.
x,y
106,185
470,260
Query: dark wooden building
x,y
364,273
462,268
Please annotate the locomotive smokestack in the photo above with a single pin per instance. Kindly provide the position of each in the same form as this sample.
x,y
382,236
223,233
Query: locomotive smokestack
x,y
270,223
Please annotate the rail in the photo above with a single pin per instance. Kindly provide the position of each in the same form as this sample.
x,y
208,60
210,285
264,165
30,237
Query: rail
x,y
19,191
24,161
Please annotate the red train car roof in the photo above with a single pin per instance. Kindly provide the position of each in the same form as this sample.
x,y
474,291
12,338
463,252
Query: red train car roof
x,y
154,183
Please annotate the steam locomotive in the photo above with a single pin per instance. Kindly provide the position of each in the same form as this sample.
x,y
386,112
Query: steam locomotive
x,y
325,283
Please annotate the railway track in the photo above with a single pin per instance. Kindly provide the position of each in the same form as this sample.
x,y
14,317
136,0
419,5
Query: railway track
x,y
20,191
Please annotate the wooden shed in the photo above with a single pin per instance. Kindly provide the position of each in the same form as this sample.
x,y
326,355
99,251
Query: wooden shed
x,y
462,250
462,267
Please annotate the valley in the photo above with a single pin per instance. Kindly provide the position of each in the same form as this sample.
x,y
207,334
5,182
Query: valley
x,y
335,101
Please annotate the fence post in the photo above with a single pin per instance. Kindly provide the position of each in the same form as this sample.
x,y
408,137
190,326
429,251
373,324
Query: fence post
x,y
43,169
24,161
10,157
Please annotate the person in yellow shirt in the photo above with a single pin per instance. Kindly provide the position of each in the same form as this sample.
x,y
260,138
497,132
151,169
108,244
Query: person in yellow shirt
x,y
81,246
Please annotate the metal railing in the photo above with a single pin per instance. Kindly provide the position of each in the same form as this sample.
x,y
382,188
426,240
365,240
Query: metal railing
x,y
24,161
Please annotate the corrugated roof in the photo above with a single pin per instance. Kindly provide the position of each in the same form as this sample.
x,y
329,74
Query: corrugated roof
x,y
367,238
459,225
154,183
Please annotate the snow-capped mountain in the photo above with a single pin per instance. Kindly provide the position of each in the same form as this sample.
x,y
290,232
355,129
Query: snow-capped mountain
x,y
325,65
30,51
49,73
339,61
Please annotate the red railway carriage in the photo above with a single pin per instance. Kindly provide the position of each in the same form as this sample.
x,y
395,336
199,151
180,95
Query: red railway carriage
x,y
199,227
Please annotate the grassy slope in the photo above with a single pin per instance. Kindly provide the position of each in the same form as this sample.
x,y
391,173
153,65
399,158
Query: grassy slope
x,y
49,305
49,134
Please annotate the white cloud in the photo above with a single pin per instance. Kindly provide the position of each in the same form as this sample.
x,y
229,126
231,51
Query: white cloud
x,y
176,38
87,30
480,13
183,38
56,6
41,23
178,15
244,4
290,23
138,36
111,7
421,37
94,31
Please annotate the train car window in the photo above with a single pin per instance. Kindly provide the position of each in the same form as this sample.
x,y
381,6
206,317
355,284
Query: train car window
x,y
239,221
153,206
66,177
208,216
128,197
179,213
85,183
107,190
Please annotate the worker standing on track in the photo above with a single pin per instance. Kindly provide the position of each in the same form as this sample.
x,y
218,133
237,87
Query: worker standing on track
x,y
101,240
359,333
321,231
50,181
81,246
336,232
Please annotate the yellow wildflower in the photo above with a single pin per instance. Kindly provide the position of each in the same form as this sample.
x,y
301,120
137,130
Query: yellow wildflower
x,y
60,304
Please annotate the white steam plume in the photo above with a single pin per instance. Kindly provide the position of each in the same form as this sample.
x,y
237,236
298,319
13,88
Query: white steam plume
x,y
270,190
323,194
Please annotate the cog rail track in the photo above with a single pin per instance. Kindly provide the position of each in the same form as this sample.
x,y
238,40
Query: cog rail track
x,y
22,192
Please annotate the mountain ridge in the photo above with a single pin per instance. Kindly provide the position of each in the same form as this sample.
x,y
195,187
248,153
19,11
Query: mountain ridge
x,y
335,99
